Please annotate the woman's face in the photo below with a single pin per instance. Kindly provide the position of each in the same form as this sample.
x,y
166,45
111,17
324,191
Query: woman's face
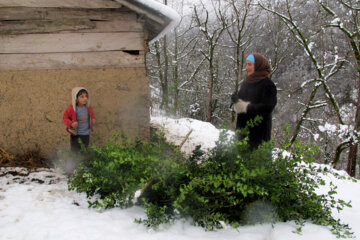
x,y
250,67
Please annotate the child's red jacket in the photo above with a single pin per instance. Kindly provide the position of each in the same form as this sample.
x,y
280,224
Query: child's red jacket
x,y
70,116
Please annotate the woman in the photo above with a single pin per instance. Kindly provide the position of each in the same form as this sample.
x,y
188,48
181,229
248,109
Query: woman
x,y
257,97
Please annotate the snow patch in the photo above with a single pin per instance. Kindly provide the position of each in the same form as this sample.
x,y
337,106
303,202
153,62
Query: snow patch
x,y
175,130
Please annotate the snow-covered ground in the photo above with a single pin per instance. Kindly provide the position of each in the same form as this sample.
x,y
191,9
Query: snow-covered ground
x,y
37,205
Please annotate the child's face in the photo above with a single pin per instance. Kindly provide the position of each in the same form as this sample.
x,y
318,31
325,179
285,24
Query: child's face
x,y
82,99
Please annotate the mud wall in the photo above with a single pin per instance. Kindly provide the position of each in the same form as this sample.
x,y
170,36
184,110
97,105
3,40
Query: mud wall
x,y
32,104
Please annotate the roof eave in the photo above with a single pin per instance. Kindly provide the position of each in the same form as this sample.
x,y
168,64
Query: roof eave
x,y
159,20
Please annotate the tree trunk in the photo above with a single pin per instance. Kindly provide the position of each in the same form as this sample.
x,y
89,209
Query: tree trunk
x,y
176,74
165,96
351,166
164,82
211,86
158,60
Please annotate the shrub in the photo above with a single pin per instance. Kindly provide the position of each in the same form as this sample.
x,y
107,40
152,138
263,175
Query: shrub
x,y
234,185
111,174
238,186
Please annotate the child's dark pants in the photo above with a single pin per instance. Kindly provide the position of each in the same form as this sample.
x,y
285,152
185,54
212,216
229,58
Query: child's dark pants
x,y
74,142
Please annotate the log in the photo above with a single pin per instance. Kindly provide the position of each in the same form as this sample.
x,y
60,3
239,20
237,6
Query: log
x,y
185,139
147,185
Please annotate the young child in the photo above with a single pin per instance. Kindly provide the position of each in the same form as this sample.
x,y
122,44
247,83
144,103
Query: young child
x,y
79,118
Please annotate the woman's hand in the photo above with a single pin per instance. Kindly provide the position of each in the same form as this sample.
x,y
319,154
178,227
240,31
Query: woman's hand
x,y
241,106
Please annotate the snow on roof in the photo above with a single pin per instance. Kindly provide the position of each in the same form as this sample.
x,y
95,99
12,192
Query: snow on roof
x,y
156,11
173,16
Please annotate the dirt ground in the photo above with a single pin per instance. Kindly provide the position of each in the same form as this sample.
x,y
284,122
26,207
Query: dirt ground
x,y
30,159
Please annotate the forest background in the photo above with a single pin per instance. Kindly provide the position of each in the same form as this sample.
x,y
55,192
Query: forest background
x,y
313,48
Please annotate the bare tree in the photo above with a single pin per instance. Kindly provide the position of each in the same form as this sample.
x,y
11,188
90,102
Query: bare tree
x,y
181,50
350,27
169,65
212,36
162,69
324,70
238,24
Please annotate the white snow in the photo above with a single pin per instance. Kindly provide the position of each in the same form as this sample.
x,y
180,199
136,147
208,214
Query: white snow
x,y
328,127
175,130
343,132
164,10
336,21
33,210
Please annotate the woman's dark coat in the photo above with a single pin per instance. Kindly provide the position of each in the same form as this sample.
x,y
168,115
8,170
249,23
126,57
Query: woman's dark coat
x,y
262,98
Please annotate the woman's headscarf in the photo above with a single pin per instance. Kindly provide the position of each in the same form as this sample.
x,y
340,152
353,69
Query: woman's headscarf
x,y
262,69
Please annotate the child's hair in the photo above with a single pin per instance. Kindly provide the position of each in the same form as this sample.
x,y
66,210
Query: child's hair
x,y
81,92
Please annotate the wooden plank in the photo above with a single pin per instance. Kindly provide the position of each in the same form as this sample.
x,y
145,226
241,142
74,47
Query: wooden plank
x,y
71,42
92,14
44,26
68,25
61,3
21,13
117,26
113,59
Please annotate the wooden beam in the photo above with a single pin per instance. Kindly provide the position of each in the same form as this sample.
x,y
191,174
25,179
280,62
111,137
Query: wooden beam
x,y
113,59
33,13
71,42
61,3
68,25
